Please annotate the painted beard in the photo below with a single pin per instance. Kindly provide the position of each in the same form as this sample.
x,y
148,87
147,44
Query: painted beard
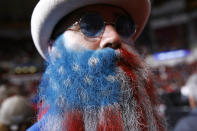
x,y
102,90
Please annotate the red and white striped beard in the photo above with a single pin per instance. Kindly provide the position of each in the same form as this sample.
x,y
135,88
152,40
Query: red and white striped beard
x,y
136,112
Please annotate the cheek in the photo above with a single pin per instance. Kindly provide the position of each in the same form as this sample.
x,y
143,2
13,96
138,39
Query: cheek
x,y
77,41
73,41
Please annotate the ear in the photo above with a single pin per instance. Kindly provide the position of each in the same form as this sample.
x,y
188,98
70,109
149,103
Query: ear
x,y
50,44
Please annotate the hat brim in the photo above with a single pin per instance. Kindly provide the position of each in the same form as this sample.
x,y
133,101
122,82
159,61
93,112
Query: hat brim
x,y
47,13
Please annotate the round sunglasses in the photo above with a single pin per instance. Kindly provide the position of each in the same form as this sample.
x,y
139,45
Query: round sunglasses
x,y
92,25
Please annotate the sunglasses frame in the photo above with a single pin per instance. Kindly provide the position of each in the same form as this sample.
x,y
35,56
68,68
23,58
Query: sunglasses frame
x,y
114,24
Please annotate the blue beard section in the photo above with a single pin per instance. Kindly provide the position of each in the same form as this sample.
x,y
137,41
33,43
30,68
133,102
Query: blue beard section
x,y
80,80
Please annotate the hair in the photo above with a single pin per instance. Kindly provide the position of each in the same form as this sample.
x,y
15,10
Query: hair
x,y
97,90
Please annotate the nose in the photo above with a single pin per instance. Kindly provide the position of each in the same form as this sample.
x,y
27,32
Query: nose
x,y
110,38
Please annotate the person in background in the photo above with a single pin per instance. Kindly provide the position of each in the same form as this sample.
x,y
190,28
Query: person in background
x,y
188,123
16,114
95,79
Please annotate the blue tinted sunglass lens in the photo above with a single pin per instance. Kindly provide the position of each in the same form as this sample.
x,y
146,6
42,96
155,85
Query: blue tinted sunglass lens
x,y
125,26
91,25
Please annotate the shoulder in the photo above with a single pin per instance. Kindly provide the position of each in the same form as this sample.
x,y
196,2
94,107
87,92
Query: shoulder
x,y
187,124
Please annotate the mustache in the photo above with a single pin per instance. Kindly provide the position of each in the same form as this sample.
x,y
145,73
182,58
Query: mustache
x,y
130,60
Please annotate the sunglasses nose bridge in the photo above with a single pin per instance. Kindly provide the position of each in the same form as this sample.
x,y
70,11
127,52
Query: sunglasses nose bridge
x,y
109,23
110,38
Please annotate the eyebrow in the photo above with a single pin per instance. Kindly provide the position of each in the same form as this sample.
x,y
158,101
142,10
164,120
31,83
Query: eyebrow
x,y
115,14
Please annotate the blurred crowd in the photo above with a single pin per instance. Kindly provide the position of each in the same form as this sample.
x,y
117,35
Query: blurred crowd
x,y
169,80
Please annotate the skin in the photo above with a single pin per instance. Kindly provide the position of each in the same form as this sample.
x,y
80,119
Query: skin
x,y
109,38
192,102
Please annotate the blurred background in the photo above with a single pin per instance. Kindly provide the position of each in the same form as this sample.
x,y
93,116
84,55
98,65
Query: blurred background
x,y
168,44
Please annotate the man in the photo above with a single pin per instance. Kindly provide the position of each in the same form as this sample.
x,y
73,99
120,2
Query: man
x,y
188,123
15,111
95,80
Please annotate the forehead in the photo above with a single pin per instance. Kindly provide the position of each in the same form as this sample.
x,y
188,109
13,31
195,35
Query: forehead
x,y
105,10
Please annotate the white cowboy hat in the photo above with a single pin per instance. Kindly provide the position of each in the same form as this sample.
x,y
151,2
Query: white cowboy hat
x,y
48,13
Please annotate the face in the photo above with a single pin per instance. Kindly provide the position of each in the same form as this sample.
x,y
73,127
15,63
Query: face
x,y
109,36
97,83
